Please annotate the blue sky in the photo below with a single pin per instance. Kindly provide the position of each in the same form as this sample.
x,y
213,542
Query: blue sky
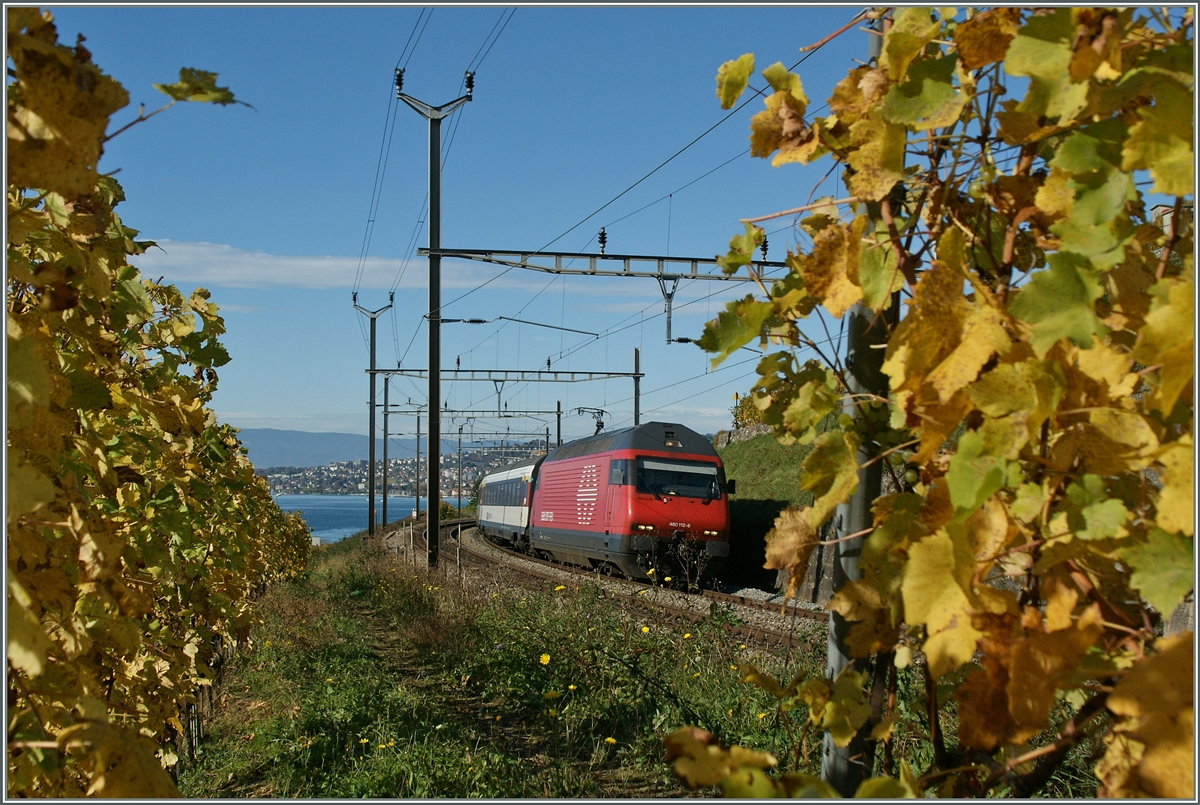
x,y
268,207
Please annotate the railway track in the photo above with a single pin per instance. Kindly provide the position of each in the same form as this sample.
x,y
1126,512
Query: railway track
x,y
751,619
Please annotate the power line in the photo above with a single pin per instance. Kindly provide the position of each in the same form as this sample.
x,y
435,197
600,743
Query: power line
x,y
385,145
741,106
706,132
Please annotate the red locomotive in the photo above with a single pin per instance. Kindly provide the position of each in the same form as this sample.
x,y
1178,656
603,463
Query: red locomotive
x,y
650,500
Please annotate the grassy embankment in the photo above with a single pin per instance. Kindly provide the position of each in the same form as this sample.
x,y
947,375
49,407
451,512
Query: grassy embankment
x,y
365,678
767,475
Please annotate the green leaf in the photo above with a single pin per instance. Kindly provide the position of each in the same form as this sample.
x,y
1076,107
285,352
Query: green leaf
x,y
972,477
1163,569
740,322
732,77
741,249
1059,302
1094,514
831,472
883,788
1042,51
928,99
807,786
1162,141
911,30
88,391
747,782
782,81
877,274
199,86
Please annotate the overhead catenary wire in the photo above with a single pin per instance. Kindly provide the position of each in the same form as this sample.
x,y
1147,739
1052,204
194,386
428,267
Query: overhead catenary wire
x,y
476,61
385,144
756,93
736,110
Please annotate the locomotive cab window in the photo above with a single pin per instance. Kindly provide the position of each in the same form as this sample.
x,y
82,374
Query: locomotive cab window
x,y
671,477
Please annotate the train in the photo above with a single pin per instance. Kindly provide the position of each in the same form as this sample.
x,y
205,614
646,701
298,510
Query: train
x,y
646,502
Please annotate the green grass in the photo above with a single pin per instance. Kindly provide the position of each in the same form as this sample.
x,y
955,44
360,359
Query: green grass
x,y
768,476
767,470
365,679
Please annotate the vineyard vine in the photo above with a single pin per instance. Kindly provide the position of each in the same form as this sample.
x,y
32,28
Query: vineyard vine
x,y
137,532
1039,416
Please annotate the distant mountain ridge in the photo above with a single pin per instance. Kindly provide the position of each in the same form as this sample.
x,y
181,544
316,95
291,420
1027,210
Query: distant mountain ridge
x,y
269,447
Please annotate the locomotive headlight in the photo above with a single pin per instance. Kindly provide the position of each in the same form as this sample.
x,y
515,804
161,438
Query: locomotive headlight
x,y
643,527
710,533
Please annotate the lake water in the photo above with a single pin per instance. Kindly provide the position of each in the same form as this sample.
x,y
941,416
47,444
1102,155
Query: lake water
x,y
335,517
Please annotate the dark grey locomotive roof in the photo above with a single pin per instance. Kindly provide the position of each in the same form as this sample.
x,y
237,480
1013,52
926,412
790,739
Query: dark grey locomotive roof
x,y
529,462
649,436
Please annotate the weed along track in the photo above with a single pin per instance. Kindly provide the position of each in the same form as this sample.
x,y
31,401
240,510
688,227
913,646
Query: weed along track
x,y
488,676
764,622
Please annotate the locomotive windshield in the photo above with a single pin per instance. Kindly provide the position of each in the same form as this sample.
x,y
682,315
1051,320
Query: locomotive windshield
x,y
667,477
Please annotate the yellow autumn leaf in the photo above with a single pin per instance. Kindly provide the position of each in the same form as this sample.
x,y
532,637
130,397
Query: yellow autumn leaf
x,y
1056,196
1156,705
120,765
58,110
984,38
932,596
753,676
848,707
983,335
877,159
831,272
27,642
732,77
1166,341
1176,501
790,544
1038,664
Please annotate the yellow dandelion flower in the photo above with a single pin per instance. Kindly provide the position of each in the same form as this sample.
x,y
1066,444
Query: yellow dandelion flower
x,y
733,667
560,587
687,635
383,746
650,572
328,679
591,628
552,694
497,718
610,740
729,712
696,675
570,687
645,629
668,578
641,592
545,660
363,741
552,713
762,715
743,645
391,743
267,643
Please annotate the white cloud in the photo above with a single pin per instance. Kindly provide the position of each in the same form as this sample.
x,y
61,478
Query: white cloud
x,y
220,265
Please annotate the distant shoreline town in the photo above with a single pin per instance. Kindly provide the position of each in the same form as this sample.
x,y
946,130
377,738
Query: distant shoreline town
x,y
351,477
